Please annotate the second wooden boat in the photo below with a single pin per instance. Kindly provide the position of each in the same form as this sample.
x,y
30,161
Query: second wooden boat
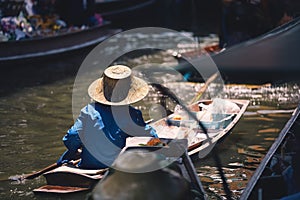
x,y
36,49
273,178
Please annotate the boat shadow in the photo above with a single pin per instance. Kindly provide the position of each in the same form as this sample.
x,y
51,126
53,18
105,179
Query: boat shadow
x,y
16,76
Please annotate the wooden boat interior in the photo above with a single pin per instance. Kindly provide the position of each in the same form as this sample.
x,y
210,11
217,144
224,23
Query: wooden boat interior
x,y
170,127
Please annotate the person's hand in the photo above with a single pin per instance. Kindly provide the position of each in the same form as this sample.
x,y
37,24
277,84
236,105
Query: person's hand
x,y
60,162
74,162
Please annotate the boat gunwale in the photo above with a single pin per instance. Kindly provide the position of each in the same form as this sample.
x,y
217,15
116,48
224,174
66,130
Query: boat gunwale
x,y
94,36
244,104
259,171
193,149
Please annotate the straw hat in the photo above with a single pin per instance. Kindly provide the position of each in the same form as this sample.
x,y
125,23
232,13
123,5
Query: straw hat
x,y
118,86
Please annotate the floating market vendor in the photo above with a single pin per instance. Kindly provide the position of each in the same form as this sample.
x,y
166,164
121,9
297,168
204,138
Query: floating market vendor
x,y
110,119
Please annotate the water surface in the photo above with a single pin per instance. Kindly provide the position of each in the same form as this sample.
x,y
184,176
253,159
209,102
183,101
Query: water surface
x,y
35,116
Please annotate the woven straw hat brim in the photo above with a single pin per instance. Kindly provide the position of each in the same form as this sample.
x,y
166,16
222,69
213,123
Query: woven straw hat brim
x,y
139,89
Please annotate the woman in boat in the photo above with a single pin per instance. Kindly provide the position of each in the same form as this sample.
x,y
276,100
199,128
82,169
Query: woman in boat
x,y
102,127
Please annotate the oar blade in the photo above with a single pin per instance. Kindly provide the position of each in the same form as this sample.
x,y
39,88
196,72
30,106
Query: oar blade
x,y
16,178
33,175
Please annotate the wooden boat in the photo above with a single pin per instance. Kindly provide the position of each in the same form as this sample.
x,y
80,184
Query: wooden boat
x,y
117,9
69,180
268,180
198,142
271,57
12,52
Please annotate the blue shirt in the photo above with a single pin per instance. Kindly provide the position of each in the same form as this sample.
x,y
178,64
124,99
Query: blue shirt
x,y
100,132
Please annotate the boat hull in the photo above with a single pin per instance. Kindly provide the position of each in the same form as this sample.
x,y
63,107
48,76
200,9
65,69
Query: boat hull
x,y
272,57
13,53
269,181
66,179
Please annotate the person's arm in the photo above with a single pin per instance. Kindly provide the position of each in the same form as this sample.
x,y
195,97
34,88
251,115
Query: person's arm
x,y
139,120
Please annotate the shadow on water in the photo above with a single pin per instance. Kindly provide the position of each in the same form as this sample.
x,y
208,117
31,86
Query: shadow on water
x,y
17,75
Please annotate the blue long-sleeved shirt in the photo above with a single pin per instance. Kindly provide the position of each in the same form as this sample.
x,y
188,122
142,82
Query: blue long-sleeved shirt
x,y
100,132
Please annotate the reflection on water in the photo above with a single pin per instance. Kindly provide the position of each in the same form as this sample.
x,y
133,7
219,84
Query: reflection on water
x,y
284,94
242,150
33,120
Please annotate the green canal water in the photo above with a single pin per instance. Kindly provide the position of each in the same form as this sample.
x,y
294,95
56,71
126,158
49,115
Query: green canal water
x,y
36,112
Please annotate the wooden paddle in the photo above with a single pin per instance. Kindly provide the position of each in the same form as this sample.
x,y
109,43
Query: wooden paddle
x,y
202,89
49,168
34,174
42,171
211,146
